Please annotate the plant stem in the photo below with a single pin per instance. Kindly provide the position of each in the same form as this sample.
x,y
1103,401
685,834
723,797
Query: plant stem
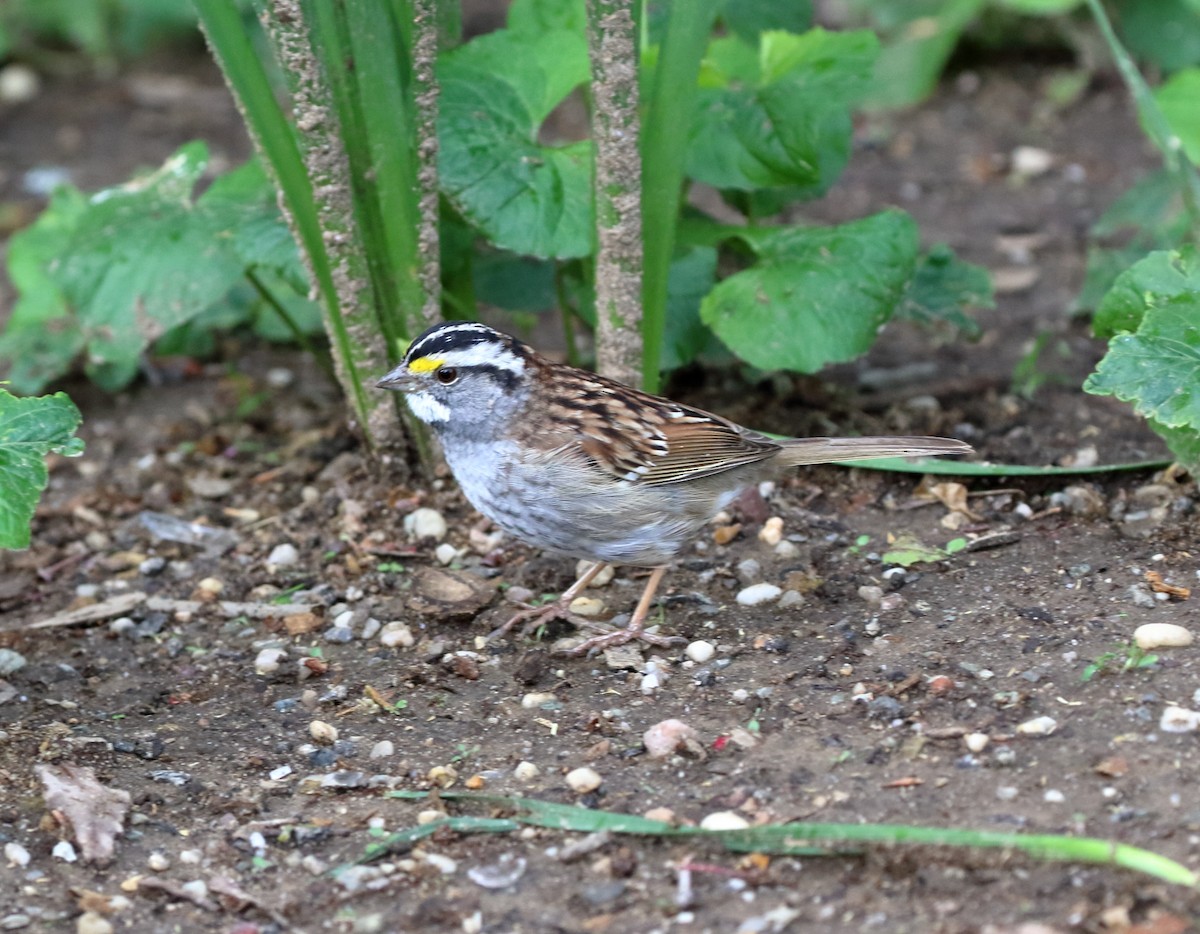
x,y
664,145
289,322
617,189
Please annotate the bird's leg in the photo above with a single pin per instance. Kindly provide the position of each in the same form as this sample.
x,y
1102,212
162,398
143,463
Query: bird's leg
x,y
534,616
635,628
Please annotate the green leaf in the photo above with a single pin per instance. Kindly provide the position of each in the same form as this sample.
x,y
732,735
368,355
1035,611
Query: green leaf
x,y
1160,277
907,550
1179,98
516,283
1041,7
1184,443
1158,367
538,17
496,91
747,19
29,430
1164,32
942,290
817,295
778,116
691,277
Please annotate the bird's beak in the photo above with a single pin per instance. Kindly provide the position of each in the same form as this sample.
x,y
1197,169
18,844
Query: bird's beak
x,y
400,379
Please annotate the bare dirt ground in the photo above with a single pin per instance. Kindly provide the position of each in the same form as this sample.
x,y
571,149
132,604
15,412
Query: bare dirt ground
x,y
211,682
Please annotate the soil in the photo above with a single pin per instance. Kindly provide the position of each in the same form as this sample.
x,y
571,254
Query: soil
x,y
876,695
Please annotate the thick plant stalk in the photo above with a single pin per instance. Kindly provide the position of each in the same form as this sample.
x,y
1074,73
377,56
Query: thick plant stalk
x,y
612,48
432,26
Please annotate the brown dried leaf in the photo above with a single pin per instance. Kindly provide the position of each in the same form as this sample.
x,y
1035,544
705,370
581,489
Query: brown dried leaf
x,y
96,813
1158,585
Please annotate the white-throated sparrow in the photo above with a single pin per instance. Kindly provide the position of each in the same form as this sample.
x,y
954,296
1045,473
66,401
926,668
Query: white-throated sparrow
x,y
584,466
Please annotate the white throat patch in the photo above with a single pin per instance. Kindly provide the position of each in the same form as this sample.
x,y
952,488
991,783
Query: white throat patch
x,y
427,408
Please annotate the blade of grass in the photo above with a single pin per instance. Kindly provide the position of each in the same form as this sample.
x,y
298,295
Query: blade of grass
x,y
978,469
664,145
787,838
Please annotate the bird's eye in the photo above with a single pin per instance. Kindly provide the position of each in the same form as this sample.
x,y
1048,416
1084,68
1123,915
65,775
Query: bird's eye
x,y
447,375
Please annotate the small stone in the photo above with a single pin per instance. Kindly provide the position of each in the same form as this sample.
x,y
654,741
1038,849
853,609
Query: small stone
x,y
604,577
429,816
1053,796
64,851
587,606
1038,726
19,84
525,771
871,594
977,742
583,780
724,534
11,662
282,556
940,684
370,628
323,732
196,889
1007,793
749,571
1029,161
535,699
445,553
382,749
268,660
700,651
724,820
211,585
664,814
425,523
669,736
772,532
1179,720
758,594
1161,635
787,550
92,922
790,598
505,871
443,864
443,776
16,854
396,634
152,565
158,862
15,921
1140,595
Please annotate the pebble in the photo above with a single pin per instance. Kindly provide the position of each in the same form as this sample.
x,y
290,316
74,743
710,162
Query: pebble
x,y
158,862
16,854
196,889
1007,793
535,699
92,922
211,585
322,732
443,864
1161,635
1140,595
268,660
1038,726
583,780
370,628
445,553
791,598
601,579
15,922
668,736
282,556
758,594
382,749
871,594
443,776
19,83
396,634
1053,796
1179,720
724,820
660,813
152,565
749,571
425,523
10,662
64,851
526,771
587,606
977,742
772,531
505,871
700,651
786,549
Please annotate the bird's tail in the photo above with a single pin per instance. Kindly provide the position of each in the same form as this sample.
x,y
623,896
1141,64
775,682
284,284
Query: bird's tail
x,y
800,451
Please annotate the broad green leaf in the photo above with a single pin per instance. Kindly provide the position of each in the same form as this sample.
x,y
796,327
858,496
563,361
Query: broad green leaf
x,y
1184,443
749,18
496,91
690,279
943,289
1179,98
516,283
142,261
1157,369
42,338
1156,280
29,430
779,115
908,550
1165,32
1041,7
537,17
816,295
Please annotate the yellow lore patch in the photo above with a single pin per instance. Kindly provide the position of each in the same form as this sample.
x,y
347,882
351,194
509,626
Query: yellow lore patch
x,y
425,365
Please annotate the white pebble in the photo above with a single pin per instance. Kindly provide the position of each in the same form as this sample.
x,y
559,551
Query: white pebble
x,y
700,651
370,628
1053,796
791,598
535,699
1179,720
396,634
64,851
383,749
19,83
1161,635
526,771
1038,726
267,661
758,594
443,864
1007,793
196,889
603,577
16,854
668,736
772,531
724,820
425,523
1030,160
323,732
977,742
279,773
870,594
786,549
583,780
282,556
587,606
92,922
158,862
445,553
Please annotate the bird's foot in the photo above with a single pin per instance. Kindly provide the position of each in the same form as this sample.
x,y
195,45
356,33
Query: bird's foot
x,y
534,617
610,638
